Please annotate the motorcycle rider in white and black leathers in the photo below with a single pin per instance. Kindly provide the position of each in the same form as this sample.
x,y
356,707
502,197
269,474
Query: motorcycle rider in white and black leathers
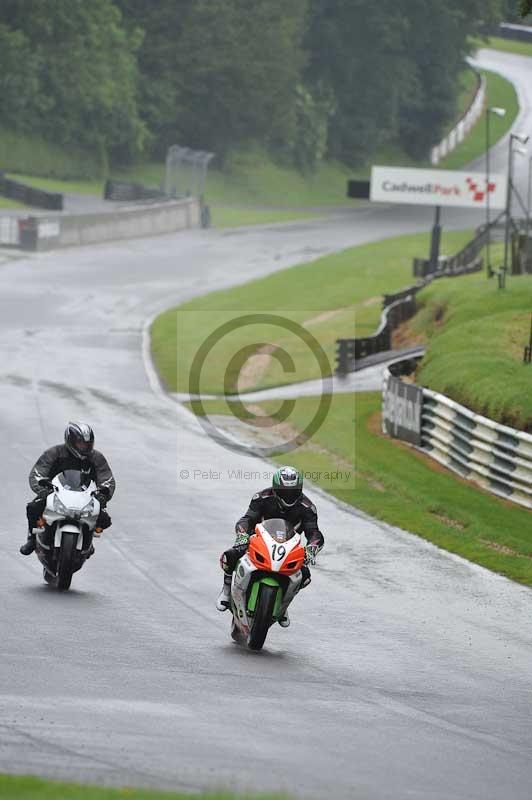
x,y
77,453
284,500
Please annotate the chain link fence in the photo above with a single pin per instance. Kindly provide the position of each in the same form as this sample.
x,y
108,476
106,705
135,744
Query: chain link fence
x,y
186,171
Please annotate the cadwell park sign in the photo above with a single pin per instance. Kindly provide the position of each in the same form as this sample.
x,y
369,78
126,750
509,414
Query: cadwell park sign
x,y
437,187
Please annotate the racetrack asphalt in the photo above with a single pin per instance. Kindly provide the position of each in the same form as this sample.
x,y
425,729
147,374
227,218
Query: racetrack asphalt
x,y
406,671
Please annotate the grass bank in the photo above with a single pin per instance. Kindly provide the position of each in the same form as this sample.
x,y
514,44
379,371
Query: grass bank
x,y
28,154
24,788
400,486
476,337
339,295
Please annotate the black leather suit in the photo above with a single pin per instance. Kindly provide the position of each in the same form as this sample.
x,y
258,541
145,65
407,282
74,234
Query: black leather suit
x,y
265,505
59,459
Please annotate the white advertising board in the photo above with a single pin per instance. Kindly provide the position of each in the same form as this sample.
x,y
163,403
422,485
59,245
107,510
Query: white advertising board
x,y
436,187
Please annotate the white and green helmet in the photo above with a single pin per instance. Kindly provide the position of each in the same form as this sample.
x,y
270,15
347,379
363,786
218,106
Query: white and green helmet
x,y
287,486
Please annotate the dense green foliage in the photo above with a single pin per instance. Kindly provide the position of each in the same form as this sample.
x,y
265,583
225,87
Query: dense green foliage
x,y
70,72
305,80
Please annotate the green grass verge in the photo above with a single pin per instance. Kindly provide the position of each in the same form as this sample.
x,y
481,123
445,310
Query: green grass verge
x,y
58,185
23,152
24,788
506,45
397,485
500,92
5,202
339,295
475,353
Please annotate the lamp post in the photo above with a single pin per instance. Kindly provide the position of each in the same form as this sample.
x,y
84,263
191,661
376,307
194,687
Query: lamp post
x,y
499,112
523,139
528,248
529,198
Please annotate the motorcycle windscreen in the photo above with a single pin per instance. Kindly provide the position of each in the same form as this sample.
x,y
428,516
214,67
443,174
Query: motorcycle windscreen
x,y
74,481
279,529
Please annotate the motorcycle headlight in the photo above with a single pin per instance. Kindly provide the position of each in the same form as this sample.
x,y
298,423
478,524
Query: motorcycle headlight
x,y
59,506
88,511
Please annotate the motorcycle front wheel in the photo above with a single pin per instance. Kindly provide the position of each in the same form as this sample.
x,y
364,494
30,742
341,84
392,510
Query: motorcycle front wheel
x,y
66,561
263,616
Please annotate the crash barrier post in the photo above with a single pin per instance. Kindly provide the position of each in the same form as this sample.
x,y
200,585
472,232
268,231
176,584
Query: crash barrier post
x,y
495,456
464,125
30,196
124,192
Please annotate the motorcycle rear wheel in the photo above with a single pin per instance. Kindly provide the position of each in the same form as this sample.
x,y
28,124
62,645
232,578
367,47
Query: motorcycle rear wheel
x,y
263,616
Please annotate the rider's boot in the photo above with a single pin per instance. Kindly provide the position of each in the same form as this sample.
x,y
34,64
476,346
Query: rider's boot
x,y
29,545
284,621
224,598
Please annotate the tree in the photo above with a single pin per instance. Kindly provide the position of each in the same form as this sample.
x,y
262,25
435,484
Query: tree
x,y
525,7
393,67
357,49
87,72
21,99
438,38
217,74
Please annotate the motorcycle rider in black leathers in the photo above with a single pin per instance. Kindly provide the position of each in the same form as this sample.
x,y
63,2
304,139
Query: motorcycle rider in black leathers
x,y
77,453
283,500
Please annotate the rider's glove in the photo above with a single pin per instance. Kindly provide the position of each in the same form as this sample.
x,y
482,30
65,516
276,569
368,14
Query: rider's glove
x,y
101,497
311,551
45,488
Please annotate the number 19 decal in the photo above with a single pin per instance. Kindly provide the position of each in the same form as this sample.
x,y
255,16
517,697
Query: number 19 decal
x,y
278,552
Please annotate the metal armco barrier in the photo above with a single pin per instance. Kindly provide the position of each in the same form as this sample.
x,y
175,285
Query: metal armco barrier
x,y
467,260
494,456
349,351
397,308
462,128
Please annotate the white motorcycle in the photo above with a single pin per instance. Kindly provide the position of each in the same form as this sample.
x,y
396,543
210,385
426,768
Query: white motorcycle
x,y
67,527
265,581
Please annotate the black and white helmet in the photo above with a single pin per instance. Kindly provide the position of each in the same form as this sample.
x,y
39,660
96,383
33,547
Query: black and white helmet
x,y
287,486
79,439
